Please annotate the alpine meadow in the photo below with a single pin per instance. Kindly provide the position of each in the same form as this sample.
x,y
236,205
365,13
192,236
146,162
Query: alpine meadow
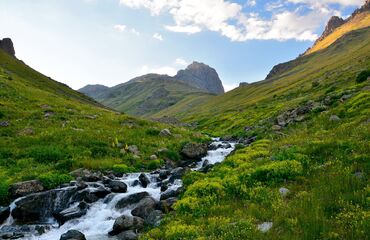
x,y
144,147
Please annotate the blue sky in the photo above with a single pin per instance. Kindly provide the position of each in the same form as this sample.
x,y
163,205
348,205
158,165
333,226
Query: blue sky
x,y
108,42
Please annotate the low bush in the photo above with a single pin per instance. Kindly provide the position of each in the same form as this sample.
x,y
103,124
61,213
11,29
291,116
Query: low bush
x,y
48,154
53,180
362,76
277,171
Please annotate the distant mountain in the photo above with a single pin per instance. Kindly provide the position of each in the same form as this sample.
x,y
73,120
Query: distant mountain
x,y
93,90
337,27
152,93
201,76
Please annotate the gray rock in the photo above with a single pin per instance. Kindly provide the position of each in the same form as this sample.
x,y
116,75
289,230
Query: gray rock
x,y
177,173
144,180
334,118
24,188
131,199
284,191
144,207
4,214
4,124
165,133
264,227
127,235
41,206
153,157
163,174
170,193
154,218
124,223
134,150
166,205
194,150
71,213
73,235
118,186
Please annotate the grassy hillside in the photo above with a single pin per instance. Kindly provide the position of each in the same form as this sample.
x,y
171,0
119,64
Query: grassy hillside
x,y
47,130
317,75
359,21
309,180
147,95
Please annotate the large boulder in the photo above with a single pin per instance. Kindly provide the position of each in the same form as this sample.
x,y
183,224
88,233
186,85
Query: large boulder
x,y
73,235
124,223
117,186
177,173
41,206
22,189
131,199
154,218
4,214
194,150
166,205
144,207
170,193
7,46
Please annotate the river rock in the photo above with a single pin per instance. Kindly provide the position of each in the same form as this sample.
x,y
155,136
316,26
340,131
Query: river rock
x,y
40,206
194,150
24,188
169,193
166,205
177,173
163,174
144,207
86,175
153,157
154,218
131,199
127,235
126,223
71,213
73,235
118,186
144,180
4,214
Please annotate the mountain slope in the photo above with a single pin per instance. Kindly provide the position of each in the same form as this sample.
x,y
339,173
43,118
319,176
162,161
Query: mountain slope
x,y
338,27
47,129
307,175
147,95
93,90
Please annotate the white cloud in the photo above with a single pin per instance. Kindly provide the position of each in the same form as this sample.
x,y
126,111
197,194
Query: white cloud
x,y
228,18
158,70
251,3
181,62
134,31
120,27
317,3
158,36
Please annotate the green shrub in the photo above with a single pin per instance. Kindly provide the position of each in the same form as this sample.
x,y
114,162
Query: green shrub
x,y
152,132
362,76
99,151
53,180
277,171
121,168
4,195
48,154
154,164
206,187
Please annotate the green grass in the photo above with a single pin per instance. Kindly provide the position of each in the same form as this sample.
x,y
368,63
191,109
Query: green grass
x,y
79,132
324,164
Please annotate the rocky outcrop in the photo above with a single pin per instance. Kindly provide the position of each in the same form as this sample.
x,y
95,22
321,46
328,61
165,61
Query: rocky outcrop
x,y
24,188
201,76
4,214
7,46
333,24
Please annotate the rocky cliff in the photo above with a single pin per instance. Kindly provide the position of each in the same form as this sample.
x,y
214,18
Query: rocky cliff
x,y
201,76
7,46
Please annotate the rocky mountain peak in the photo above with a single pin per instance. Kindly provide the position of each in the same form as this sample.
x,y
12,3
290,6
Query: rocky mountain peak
x,y
7,46
201,76
334,23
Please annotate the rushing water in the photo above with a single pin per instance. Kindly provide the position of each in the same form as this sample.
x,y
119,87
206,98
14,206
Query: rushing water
x,y
101,215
